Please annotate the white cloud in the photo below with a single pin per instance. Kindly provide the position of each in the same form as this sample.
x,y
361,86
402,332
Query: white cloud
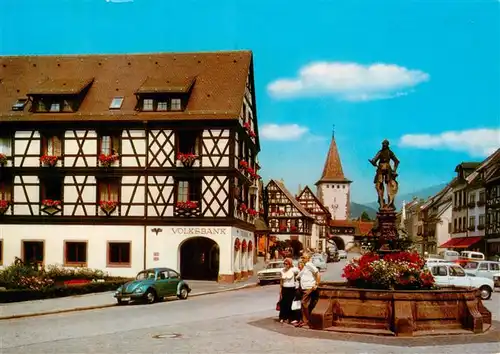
x,y
476,142
283,132
119,1
349,81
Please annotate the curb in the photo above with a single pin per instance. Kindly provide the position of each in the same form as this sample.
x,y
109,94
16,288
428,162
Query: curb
x,y
88,308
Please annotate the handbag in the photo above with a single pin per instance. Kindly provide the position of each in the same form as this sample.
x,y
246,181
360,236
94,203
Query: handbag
x,y
278,306
296,305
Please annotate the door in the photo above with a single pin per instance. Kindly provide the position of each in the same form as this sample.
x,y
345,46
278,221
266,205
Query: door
x,y
173,281
457,276
163,284
440,274
482,270
494,269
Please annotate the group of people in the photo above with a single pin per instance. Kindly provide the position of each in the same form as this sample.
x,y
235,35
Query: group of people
x,y
298,291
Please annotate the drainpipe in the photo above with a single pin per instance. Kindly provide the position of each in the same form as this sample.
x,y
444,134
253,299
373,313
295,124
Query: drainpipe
x,y
145,247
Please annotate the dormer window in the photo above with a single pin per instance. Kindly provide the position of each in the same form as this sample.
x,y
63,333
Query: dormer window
x,y
116,103
162,106
55,107
176,104
19,104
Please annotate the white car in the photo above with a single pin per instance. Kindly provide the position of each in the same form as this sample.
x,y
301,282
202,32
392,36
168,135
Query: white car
x,y
319,261
271,273
451,274
342,254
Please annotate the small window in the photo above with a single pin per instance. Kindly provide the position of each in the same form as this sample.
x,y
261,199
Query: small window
x,y
116,103
52,188
439,271
33,252
457,272
6,186
163,275
173,274
40,106
19,104
188,190
176,104
52,146
183,191
188,142
162,106
495,267
109,144
75,253
119,254
147,104
55,107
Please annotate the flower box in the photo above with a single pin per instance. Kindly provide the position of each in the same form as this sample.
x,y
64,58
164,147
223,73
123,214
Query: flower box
x,y
293,229
252,134
246,126
3,159
283,229
243,208
49,160
252,212
107,160
187,159
4,206
243,165
190,204
50,206
108,206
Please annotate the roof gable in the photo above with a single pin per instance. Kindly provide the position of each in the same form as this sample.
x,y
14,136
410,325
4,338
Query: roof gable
x,y
307,194
332,170
281,187
217,92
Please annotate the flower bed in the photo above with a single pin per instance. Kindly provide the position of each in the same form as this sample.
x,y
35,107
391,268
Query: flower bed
x,y
399,270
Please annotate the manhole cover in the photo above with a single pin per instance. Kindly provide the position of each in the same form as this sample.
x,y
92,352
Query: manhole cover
x,y
167,335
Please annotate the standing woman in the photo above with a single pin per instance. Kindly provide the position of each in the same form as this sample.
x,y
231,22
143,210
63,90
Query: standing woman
x,y
287,291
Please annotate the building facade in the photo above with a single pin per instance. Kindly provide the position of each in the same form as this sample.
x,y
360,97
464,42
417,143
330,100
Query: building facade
x,y
125,162
436,221
491,178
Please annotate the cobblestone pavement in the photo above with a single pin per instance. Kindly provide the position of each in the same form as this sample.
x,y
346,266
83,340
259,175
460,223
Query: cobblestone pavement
x,y
217,323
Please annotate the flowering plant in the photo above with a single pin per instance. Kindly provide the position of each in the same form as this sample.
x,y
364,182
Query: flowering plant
x,y
186,159
243,207
401,270
237,244
252,173
4,204
108,205
243,165
50,203
35,282
107,160
252,134
189,204
252,212
49,160
244,245
3,159
293,228
283,228
246,126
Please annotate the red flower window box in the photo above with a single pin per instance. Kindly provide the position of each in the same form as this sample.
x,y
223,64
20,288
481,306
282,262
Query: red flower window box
x,y
252,134
237,244
4,206
246,126
48,160
187,204
49,203
243,165
252,212
187,159
243,208
107,160
283,228
293,228
3,159
108,206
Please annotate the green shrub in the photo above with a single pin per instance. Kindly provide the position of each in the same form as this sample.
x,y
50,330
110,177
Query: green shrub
x,y
58,273
18,295
12,276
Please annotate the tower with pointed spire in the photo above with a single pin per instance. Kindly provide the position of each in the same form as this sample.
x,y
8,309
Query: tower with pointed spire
x,y
333,189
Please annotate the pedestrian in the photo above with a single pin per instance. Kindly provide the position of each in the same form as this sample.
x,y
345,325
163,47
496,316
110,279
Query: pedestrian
x,y
287,292
309,279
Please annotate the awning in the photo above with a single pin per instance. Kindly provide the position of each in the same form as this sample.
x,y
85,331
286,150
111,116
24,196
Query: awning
x,y
460,242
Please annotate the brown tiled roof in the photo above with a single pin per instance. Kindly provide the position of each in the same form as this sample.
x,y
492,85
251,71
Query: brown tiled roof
x,y
361,228
332,171
292,199
260,225
167,84
217,93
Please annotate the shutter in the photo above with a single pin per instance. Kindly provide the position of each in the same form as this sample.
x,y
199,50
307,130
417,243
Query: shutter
x,y
113,190
50,146
115,144
197,142
57,146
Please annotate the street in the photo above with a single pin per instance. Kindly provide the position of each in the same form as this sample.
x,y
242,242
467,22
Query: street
x,y
207,324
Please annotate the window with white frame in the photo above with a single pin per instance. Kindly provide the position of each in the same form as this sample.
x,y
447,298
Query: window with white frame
x,y
53,146
176,104
162,106
55,107
106,145
183,191
147,104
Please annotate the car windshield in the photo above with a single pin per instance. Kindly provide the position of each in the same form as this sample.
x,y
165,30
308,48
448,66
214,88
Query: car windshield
x,y
275,265
471,265
148,274
457,271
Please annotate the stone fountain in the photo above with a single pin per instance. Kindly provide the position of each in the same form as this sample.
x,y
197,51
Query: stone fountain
x,y
410,313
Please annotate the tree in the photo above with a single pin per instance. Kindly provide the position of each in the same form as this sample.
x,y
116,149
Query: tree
x,y
365,216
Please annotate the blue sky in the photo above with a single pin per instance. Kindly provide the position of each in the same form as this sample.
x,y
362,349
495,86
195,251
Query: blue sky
x,y
423,74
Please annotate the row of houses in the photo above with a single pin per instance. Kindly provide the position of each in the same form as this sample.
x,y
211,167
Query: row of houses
x,y
465,215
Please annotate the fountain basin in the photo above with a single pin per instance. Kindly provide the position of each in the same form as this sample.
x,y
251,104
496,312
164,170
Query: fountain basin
x,y
409,313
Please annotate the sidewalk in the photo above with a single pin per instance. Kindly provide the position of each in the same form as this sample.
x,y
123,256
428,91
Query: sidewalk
x,y
103,300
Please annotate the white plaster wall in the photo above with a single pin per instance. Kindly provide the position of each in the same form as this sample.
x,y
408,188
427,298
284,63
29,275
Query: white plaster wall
x,y
139,143
88,190
442,234
129,200
31,196
97,237
89,147
33,146
218,192
335,196
210,140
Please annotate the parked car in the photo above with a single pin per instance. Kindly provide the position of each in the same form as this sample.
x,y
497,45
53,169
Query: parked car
x,y
449,255
485,269
319,261
332,255
151,285
435,260
451,274
472,255
342,254
271,273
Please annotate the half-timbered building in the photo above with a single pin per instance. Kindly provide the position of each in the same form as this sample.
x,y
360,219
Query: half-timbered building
x,y
122,162
321,215
491,176
287,218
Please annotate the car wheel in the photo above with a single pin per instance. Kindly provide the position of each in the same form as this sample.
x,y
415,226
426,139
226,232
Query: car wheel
x,y
183,294
262,282
485,292
150,296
